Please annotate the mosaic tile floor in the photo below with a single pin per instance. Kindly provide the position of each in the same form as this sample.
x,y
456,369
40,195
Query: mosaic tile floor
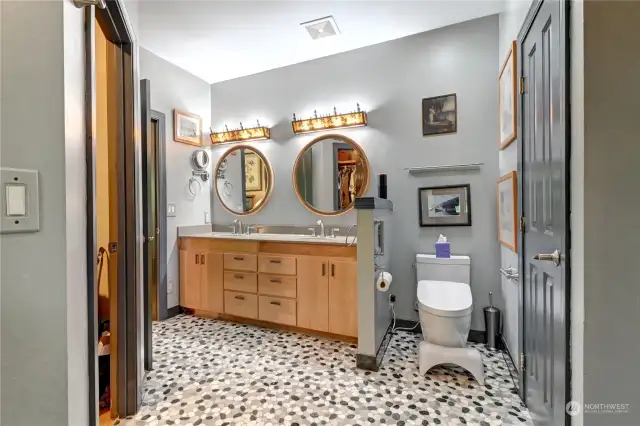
x,y
209,372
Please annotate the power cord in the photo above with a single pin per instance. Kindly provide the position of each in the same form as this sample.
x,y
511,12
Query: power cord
x,y
508,362
393,314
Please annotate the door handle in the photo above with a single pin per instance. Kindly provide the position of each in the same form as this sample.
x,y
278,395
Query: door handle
x,y
275,261
324,266
276,281
554,257
238,258
275,303
197,259
202,259
333,269
239,297
240,277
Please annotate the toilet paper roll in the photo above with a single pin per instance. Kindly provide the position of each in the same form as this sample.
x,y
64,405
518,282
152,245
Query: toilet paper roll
x,y
384,281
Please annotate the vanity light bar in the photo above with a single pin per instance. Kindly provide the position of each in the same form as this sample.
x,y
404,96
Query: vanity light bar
x,y
241,134
335,121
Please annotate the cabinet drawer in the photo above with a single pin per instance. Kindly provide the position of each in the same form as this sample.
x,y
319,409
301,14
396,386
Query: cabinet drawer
x,y
241,281
275,309
241,262
274,264
241,304
277,285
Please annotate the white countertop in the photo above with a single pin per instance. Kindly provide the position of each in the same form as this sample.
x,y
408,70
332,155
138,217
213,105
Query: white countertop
x,y
290,238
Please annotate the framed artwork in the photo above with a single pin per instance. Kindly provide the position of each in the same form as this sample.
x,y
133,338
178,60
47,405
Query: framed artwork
x,y
187,128
508,211
445,205
439,115
253,172
507,103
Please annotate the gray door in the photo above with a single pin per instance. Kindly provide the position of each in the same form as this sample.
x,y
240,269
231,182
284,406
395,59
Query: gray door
x,y
544,197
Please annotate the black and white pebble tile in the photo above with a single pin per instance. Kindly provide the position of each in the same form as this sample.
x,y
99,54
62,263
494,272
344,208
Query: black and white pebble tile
x,y
209,372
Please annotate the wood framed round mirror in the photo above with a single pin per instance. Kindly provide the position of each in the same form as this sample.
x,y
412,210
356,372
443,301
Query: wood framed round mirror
x,y
329,173
244,180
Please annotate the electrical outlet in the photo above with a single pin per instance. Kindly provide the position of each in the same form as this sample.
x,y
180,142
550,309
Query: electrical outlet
x,y
392,298
170,286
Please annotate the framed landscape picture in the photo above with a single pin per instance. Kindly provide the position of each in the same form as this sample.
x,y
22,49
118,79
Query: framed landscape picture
x,y
439,115
187,128
507,102
508,211
445,205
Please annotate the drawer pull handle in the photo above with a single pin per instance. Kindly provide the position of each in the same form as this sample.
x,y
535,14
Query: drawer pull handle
x,y
238,258
275,261
240,297
276,281
275,303
240,277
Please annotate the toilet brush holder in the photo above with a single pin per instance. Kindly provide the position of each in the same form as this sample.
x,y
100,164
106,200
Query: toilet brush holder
x,y
492,323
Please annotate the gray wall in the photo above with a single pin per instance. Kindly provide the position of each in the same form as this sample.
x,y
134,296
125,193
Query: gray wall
x,y
511,21
43,275
174,88
389,80
611,177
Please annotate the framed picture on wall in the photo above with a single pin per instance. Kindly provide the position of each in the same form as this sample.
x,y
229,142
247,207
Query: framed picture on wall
x,y
508,211
187,128
439,115
253,172
445,205
507,103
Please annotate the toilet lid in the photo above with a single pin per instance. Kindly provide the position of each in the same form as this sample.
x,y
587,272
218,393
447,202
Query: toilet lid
x,y
445,298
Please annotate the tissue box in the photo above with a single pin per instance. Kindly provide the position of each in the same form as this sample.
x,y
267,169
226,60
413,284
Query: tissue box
x,y
443,250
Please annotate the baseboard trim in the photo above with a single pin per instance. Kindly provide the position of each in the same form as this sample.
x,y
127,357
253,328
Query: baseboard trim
x,y
370,362
173,311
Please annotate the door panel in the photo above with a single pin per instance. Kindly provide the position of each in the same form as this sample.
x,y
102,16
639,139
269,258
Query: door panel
x,y
313,293
543,196
343,298
190,279
212,283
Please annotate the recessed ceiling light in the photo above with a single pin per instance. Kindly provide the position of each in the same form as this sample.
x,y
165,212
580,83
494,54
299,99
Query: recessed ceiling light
x,y
320,28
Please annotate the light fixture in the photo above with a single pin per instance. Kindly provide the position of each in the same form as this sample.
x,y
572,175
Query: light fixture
x,y
241,134
356,118
321,28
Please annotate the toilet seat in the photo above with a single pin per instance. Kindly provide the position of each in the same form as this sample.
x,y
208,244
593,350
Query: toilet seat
x,y
445,298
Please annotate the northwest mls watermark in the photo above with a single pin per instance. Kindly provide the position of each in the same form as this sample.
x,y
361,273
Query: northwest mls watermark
x,y
574,408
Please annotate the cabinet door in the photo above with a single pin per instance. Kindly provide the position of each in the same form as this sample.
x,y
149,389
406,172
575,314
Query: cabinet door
x,y
343,297
212,282
190,279
313,293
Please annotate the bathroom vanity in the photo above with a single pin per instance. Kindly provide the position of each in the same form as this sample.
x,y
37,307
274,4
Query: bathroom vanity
x,y
290,281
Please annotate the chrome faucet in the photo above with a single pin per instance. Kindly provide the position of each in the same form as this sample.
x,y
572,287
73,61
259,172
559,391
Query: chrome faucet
x,y
237,223
321,225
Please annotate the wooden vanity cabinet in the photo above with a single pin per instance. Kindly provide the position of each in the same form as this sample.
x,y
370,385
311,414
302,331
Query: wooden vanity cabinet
x,y
201,280
308,286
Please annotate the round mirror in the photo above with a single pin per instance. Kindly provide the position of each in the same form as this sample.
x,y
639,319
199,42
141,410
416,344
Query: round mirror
x,y
244,180
200,159
329,173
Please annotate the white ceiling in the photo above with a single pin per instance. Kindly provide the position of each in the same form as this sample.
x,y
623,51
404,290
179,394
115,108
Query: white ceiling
x,y
221,40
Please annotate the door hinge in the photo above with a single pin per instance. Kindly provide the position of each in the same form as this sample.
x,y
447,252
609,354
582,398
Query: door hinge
x,y
523,89
522,363
522,224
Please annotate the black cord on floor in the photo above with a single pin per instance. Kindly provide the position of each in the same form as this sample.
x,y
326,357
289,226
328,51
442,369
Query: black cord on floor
x,y
508,361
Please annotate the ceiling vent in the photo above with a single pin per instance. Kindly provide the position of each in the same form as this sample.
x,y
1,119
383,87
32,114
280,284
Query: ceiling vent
x,y
321,28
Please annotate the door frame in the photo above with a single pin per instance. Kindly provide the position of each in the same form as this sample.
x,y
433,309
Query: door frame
x,y
147,116
566,96
117,29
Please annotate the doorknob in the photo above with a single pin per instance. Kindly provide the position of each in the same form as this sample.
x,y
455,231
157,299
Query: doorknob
x,y
552,257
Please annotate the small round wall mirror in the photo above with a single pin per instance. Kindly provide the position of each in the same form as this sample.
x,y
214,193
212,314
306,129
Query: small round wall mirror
x,y
246,181
200,160
329,173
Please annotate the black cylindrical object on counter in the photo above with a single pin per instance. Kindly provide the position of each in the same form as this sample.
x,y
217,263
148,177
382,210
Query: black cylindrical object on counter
x,y
382,186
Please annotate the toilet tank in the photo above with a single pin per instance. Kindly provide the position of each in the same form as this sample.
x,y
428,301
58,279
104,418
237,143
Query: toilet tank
x,y
455,268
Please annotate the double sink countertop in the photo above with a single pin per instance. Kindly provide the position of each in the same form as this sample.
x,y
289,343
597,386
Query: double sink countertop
x,y
290,238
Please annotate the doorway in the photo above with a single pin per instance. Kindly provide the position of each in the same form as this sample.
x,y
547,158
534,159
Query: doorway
x,y
114,288
154,217
543,168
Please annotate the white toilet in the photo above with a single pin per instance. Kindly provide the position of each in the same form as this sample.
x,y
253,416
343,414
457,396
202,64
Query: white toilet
x,y
445,305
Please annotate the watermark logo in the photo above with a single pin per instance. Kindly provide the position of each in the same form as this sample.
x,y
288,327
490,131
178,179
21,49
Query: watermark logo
x,y
572,408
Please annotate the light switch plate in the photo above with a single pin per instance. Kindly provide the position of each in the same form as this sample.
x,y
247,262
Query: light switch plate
x,y
19,201
172,210
206,218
